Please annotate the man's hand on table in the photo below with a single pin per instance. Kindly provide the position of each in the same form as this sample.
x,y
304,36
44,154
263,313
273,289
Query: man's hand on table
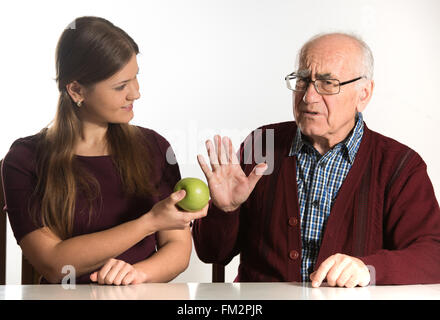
x,y
341,270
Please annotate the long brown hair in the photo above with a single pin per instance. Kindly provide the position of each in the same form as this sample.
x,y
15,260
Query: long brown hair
x,y
90,50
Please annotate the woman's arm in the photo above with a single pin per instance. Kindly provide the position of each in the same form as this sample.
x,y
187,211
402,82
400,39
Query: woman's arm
x,y
173,246
48,254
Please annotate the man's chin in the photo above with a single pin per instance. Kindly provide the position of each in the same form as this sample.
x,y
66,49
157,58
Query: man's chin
x,y
311,130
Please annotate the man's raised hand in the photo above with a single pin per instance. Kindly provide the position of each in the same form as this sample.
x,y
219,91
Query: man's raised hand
x,y
228,184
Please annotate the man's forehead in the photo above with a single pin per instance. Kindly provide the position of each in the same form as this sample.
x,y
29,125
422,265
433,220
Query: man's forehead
x,y
325,67
326,59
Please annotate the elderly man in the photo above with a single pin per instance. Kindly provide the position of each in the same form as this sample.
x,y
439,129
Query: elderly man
x,y
341,204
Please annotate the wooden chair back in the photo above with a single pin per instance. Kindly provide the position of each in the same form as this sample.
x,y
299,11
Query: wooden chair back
x,y
218,273
28,274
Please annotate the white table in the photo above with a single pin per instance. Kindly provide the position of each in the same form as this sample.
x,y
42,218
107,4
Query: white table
x,y
218,291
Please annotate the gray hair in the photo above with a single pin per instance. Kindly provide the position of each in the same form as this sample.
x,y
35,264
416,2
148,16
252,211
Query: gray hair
x,y
367,54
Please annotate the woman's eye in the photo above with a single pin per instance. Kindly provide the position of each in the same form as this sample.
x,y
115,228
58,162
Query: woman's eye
x,y
120,88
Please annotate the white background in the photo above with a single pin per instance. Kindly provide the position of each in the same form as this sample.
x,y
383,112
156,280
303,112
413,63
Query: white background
x,y
218,67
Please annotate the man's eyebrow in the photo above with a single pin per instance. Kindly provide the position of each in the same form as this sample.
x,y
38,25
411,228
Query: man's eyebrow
x,y
327,75
305,73
125,80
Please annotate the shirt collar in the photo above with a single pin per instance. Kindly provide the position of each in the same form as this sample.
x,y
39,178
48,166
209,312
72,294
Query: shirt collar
x,y
353,140
350,144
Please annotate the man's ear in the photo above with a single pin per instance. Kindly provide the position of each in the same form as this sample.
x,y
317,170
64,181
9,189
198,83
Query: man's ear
x,y
75,90
365,96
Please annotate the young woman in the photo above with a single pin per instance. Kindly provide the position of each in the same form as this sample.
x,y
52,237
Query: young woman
x,y
92,191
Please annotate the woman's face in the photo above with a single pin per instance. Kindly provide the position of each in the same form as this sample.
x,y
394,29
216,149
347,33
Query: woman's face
x,y
111,100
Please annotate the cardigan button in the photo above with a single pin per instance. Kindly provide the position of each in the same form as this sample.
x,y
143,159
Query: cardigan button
x,y
293,254
293,221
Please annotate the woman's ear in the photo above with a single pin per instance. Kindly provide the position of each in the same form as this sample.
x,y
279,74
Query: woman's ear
x,y
75,91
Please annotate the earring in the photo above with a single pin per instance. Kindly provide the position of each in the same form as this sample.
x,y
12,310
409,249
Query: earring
x,y
79,103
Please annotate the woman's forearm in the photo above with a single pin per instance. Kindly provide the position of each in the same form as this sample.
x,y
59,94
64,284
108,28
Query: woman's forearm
x,y
168,262
90,251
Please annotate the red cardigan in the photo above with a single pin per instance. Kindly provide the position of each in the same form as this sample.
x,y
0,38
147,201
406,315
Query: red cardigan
x,y
385,213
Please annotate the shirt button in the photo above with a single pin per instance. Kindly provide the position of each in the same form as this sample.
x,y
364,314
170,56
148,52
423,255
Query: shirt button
x,y
315,203
293,221
293,254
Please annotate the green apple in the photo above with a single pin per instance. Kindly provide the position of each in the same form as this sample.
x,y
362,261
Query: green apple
x,y
197,194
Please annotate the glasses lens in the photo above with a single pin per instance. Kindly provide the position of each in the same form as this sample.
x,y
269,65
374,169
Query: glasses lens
x,y
327,86
296,84
300,84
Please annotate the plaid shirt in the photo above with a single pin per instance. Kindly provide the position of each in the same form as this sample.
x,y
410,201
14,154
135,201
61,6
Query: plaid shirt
x,y
319,179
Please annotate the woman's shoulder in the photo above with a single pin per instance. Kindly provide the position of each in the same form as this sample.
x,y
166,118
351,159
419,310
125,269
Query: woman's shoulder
x,y
159,146
24,147
154,137
22,153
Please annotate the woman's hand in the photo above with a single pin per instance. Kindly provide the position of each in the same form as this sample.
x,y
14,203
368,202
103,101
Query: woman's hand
x,y
167,215
117,272
228,184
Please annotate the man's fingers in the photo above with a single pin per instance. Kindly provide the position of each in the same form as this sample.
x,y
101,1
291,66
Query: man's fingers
x,y
345,275
221,150
352,282
322,271
230,153
204,166
336,270
212,154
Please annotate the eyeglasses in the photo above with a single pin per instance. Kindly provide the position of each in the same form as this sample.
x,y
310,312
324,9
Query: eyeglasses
x,y
322,86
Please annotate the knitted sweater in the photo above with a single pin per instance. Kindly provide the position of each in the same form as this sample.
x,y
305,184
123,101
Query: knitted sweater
x,y
385,213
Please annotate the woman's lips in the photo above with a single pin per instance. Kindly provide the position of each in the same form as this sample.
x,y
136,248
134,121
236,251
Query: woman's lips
x,y
128,108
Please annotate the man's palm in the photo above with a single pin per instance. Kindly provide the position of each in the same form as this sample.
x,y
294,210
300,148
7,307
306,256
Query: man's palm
x,y
228,184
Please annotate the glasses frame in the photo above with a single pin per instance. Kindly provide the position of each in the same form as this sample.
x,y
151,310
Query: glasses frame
x,y
294,75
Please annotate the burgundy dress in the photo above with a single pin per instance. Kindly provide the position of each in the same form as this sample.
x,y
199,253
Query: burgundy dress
x,y
19,180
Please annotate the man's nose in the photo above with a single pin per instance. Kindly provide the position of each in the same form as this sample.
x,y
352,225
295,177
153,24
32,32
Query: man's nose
x,y
311,95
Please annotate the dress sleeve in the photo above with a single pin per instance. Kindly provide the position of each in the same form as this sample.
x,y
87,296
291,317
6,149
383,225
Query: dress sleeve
x,y
19,180
165,161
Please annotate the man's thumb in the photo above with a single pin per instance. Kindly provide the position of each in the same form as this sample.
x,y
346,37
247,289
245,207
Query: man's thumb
x,y
256,174
260,168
